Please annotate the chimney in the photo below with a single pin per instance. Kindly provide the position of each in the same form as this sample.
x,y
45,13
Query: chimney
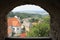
x,y
15,16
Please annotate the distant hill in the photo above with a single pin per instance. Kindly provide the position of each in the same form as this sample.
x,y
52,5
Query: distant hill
x,y
25,15
42,12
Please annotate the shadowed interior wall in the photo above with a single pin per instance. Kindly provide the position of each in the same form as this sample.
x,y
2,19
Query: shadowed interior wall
x,y
51,6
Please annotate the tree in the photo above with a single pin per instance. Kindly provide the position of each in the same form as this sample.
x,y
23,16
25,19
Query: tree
x,y
41,29
10,14
46,19
34,20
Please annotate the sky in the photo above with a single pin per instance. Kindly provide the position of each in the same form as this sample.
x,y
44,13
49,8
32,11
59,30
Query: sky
x,y
29,9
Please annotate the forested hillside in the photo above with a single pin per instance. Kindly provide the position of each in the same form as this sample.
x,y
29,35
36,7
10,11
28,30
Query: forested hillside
x,y
25,15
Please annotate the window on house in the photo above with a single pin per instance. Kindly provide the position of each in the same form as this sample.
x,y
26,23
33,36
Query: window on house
x,y
17,28
13,28
21,21
35,19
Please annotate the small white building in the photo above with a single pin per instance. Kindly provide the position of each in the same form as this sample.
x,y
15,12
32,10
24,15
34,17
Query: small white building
x,y
26,24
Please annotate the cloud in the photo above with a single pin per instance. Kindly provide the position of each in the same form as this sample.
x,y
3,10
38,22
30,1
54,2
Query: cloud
x,y
27,7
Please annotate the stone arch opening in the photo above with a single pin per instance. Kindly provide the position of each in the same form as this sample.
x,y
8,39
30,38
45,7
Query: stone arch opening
x,y
11,7
51,6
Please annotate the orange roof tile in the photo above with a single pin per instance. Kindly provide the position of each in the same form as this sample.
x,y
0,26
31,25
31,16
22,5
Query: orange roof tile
x,y
13,22
23,35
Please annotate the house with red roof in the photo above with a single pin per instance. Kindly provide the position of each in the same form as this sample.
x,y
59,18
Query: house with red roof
x,y
14,26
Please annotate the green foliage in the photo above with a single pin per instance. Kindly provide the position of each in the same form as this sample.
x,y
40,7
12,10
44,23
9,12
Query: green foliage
x,y
40,29
34,20
46,19
10,14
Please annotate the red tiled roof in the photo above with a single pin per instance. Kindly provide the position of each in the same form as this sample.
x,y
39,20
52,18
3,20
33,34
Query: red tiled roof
x,y
13,22
23,35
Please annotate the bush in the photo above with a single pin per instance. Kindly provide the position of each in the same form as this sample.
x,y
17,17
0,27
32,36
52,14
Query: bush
x,y
39,30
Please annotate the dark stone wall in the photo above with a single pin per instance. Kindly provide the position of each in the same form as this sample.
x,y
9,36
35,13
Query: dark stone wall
x,y
55,25
51,6
3,28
